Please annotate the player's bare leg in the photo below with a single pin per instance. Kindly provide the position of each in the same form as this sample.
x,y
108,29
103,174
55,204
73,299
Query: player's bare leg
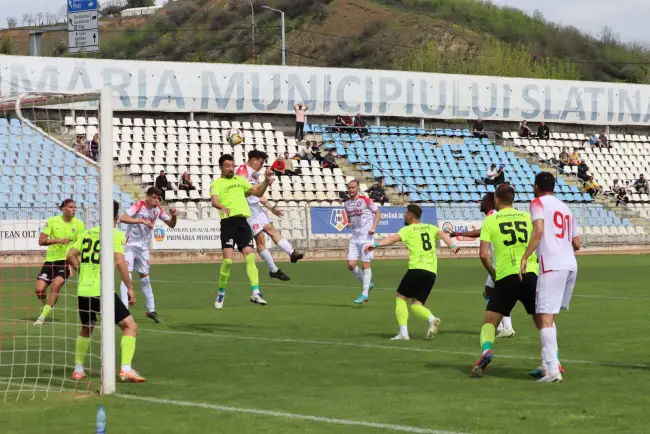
x,y
366,282
149,302
253,276
41,290
266,256
488,334
50,300
282,243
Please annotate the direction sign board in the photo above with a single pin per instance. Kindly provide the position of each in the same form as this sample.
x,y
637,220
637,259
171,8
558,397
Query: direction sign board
x,y
86,40
86,20
82,5
83,32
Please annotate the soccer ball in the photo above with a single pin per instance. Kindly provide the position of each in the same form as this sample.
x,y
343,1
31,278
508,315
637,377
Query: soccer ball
x,y
235,137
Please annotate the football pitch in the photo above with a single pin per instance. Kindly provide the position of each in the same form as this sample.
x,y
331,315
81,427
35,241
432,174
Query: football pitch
x,y
312,362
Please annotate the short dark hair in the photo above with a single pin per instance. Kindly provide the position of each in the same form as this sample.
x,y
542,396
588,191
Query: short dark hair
x,y
415,210
256,153
545,182
224,158
154,190
354,180
116,209
65,203
490,195
505,194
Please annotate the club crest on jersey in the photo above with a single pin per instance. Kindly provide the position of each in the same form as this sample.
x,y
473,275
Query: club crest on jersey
x,y
159,234
339,219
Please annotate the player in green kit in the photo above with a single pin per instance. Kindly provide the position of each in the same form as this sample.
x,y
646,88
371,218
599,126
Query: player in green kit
x,y
58,234
84,256
229,194
420,240
508,231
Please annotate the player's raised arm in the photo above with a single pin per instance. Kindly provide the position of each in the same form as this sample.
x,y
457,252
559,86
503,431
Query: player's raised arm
x,y
444,236
169,219
274,209
126,218
390,240
469,234
259,189
216,204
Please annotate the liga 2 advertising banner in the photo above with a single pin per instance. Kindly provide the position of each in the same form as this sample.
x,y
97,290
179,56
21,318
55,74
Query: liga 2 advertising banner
x,y
450,226
334,220
20,235
188,235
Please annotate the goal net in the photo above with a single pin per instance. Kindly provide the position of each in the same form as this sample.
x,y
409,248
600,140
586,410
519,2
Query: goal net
x,y
48,158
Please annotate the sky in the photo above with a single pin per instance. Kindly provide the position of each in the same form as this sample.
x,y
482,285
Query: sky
x,y
628,18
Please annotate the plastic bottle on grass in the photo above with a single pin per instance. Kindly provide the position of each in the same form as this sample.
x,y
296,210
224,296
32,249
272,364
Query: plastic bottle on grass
x,y
100,421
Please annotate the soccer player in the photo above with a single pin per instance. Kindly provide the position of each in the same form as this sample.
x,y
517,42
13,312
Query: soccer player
x,y
556,237
229,194
141,217
363,215
504,330
260,222
420,240
84,256
508,230
59,234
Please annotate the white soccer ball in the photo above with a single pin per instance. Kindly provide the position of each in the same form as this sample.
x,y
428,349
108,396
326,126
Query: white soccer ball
x,y
235,137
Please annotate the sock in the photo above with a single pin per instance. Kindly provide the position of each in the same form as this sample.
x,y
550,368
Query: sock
x,y
147,291
549,336
268,260
542,345
358,274
487,337
367,277
422,312
80,349
124,292
507,322
253,274
128,350
285,246
47,309
500,327
224,274
402,314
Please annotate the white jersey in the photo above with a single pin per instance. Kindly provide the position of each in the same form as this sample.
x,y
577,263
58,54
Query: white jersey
x,y
555,251
140,235
361,214
253,178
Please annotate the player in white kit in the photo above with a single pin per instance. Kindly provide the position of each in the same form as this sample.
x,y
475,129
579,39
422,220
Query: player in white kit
x,y
556,237
141,217
259,220
488,207
363,216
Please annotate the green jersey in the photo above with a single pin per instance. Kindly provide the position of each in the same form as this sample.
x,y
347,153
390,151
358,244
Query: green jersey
x,y
509,232
420,239
56,228
89,269
232,195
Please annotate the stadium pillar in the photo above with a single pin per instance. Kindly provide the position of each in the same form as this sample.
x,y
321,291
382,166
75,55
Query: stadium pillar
x,y
35,43
377,121
422,123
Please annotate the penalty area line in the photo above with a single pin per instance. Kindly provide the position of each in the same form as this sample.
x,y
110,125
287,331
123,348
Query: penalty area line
x,y
285,415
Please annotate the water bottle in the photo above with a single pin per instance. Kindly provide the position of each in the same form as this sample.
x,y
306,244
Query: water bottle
x,y
100,422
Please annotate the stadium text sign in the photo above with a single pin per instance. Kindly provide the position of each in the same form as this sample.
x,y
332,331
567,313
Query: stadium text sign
x,y
188,235
196,87
333,220
450,226
20,235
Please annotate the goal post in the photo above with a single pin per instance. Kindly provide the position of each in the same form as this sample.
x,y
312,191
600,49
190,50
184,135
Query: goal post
x,y
40,168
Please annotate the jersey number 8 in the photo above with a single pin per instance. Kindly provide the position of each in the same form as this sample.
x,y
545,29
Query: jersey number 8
x,y
426,242
86,256
520,227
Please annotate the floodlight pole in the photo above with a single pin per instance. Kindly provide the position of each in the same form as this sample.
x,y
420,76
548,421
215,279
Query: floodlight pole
x,y
252,29
284,43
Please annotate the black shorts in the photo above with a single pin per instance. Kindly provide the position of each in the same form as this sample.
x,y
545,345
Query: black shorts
x,y
89,307
235,231
52,270
509,290
417,284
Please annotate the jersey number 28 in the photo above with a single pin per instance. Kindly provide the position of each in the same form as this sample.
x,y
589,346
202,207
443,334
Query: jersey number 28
x,y
519,227
86,255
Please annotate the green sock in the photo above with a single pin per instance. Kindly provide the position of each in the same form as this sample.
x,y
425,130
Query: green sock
x,y
487,337
47,309
80,349
224,274
251,270
401,312
128,349
421,312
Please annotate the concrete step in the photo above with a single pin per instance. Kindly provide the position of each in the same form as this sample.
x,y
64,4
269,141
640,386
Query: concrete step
x,y
366,178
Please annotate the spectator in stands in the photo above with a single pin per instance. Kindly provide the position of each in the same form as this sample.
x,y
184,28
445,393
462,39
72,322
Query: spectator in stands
x,y
501,176
300,110
347,122
543,132
582,171
304,153
564,158
162,183
80,145
186,183
338,122
574,160
279,166
377,192
524,130
593,139
592,187
621,197
316,151
491,174
329,160
603,141
93,147
641,185
360,125
478,129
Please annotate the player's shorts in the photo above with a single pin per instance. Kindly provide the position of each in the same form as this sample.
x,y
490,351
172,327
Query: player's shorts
x,y
417,284
137,259
355,250
258,219
554,291
235,231
89,307
52,270
509,290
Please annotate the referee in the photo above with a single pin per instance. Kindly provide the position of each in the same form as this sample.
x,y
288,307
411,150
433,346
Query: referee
x,y
229,194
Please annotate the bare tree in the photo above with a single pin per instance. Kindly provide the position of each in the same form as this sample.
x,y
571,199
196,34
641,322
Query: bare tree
x,y
12,22
31,19
63,14
50,18
25,18
39,18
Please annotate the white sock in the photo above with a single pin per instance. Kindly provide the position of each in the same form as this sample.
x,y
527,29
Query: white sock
x,y
432,318
507,322
126,368
256,292
542,345
268,260
358,274
404,330
78,367
147,291
500,327
124,292
549,335
367,277
285,246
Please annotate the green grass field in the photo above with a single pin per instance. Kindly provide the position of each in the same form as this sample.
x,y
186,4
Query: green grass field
x,y
312,362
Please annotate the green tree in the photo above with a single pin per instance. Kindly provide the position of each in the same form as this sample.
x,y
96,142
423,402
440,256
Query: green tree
x,y
140,3
5,45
